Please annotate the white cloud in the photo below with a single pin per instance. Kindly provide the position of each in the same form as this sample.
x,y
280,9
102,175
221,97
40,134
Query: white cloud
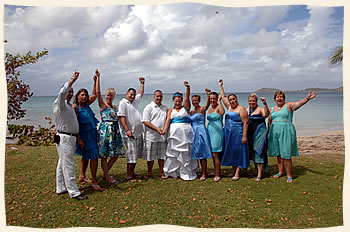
x,y
267,16
249,47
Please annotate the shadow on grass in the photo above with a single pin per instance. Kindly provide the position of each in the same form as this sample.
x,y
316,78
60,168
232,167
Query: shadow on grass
x,y
297,171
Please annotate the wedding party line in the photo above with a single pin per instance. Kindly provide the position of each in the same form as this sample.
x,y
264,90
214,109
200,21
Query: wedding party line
x,y
177,137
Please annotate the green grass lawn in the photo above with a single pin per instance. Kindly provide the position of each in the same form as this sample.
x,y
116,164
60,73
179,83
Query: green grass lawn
x,y
313,200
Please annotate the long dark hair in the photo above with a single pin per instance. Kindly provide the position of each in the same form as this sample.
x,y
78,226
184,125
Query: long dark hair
x,y
77,94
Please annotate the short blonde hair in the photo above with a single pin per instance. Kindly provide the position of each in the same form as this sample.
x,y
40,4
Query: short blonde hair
x,y
111,90
279,92
253,95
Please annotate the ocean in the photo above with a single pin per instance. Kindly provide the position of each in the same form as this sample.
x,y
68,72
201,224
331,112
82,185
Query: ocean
x,y
324,113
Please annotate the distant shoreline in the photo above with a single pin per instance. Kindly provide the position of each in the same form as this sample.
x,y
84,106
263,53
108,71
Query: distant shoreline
x,y
261,90
271,90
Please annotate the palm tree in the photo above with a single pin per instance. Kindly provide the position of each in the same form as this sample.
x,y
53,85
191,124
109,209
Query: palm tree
x,y
337,56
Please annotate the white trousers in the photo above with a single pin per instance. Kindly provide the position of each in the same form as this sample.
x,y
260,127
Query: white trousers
x,y
65,172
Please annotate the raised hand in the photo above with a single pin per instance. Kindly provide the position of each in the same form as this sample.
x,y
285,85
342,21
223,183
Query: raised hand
x,y
208,91
263,100
311,95
76,74
97,73
142,80
186,84
221,82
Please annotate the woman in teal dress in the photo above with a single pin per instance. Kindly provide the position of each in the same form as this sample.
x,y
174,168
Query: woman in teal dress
x,y
201,149
87,137
282,140
109,138
257,133
216,131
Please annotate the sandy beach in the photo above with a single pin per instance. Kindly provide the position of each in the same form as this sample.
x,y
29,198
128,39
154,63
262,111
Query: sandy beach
x,y
327,142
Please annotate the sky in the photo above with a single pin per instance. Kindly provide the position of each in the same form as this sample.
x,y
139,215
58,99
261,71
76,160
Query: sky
x,y
284,47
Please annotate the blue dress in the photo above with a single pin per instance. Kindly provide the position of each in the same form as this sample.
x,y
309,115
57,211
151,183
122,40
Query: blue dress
x,y
201,148
110,142
282,135
235,153
88,133
216,131
257,138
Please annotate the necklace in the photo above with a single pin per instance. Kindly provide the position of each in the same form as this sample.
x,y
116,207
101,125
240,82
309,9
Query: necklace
x,y
279,107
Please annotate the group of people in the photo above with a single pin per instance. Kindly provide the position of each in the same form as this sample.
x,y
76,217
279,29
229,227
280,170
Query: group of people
x,y
178,137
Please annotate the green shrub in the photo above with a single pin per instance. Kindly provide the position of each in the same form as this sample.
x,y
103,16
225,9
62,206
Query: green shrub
x,y
28,135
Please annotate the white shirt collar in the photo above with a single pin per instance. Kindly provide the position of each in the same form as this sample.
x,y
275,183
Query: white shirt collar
x,y
155,105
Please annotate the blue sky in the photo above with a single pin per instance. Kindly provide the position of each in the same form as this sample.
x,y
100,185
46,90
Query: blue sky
x,y
284,47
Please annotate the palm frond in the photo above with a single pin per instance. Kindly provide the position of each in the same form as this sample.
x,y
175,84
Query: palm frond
x,y
337,56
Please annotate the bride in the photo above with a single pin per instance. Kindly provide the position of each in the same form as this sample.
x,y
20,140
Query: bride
x,y
180,138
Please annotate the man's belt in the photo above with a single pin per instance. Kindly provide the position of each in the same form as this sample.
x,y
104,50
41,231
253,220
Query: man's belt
x,y
67,133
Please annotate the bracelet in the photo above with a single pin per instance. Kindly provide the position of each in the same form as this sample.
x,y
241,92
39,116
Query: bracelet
x,y
126,131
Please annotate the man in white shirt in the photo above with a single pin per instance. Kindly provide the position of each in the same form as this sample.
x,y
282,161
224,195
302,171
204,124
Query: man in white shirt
x,y
154,116
130,119
67,127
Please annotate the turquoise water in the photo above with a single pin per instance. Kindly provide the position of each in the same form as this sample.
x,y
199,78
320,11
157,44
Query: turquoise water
x,y
324,113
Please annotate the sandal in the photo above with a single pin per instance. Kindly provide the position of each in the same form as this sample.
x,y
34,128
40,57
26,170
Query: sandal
x,y
163,177
212,174
104,178
202,178
84,180
276,176
289,180
217,178
131,179
114,181
258,179
96,187
235,178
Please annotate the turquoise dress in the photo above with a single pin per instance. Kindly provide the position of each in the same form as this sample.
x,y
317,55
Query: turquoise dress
x,y
216,131
282,139
110,142
235,153
201,148
88,133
